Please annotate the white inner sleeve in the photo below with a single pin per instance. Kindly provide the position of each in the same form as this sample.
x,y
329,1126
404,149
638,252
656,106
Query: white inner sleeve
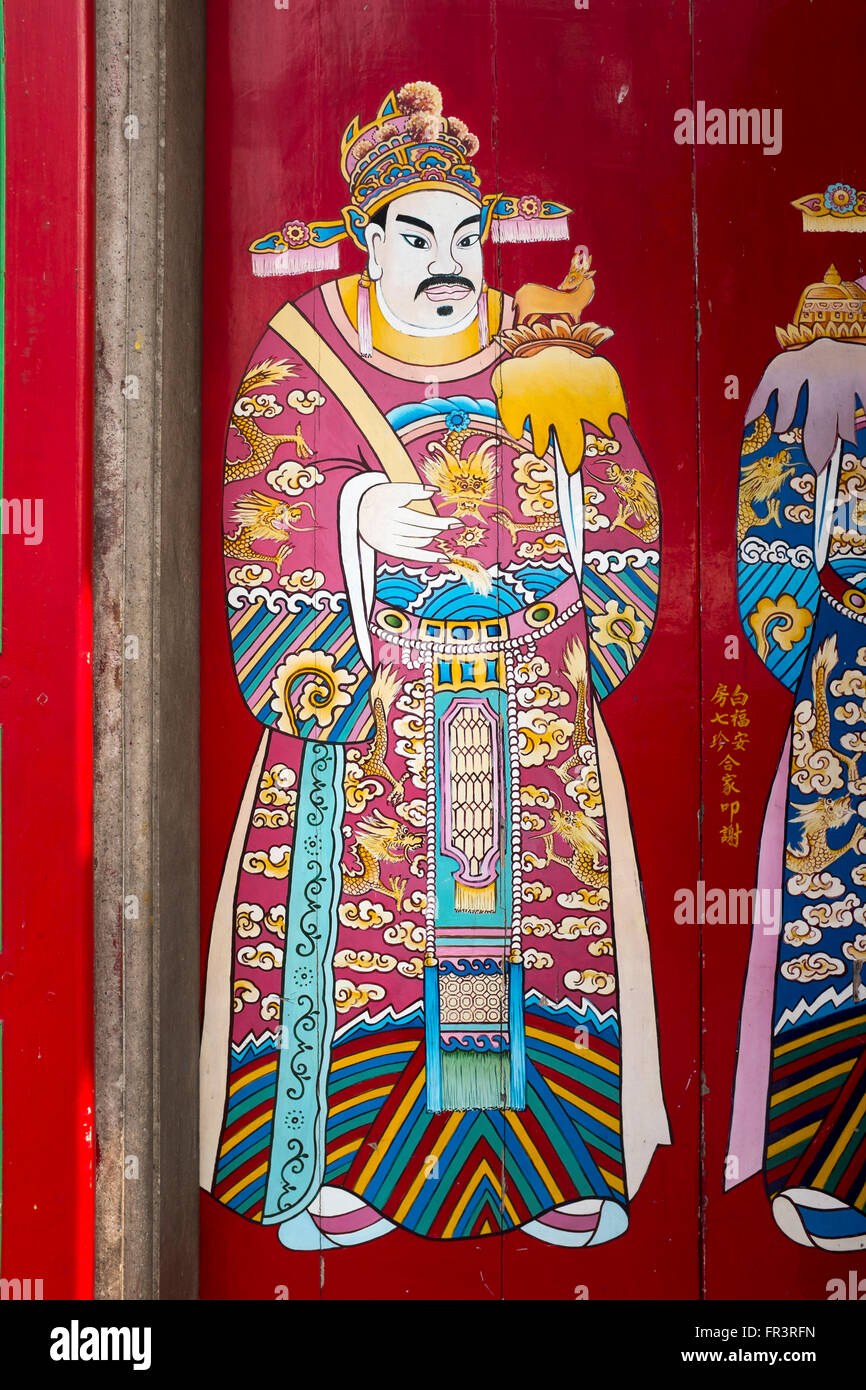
x,y
569,496
826,484
359,560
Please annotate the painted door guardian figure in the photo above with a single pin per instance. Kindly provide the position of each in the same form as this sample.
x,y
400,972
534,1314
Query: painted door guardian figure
x,y
800,1096
429,1002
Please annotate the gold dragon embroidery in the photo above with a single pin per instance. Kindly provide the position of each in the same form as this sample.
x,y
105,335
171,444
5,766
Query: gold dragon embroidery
x,y
379,840
263,518
262,445
762,481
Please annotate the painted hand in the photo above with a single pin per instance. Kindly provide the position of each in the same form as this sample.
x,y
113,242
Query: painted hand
x,y
557,389
835,374
389,523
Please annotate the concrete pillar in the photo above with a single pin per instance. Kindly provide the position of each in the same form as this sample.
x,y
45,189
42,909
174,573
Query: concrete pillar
x,y
149,164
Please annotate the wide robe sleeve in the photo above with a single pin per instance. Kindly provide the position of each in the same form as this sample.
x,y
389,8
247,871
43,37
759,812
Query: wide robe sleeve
x,y
777,541
621,553
297,576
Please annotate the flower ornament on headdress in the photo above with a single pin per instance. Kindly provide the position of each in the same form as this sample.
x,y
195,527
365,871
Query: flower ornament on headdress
x,y
410,146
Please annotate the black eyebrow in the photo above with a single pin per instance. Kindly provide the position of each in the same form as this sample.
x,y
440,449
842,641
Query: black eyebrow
x,y
416,222
466,221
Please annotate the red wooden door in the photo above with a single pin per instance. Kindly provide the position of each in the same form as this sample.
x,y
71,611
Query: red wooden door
x,y
568,108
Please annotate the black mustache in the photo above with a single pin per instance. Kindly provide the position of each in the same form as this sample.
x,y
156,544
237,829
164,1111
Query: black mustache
x,y
443,280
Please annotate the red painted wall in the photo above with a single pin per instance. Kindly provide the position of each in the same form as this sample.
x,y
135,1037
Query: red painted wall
x,y
46,996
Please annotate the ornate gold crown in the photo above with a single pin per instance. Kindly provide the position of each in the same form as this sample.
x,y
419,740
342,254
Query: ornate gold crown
x,y
407,147
831,308
840,208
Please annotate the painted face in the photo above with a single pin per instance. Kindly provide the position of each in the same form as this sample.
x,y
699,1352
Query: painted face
x,y
426,262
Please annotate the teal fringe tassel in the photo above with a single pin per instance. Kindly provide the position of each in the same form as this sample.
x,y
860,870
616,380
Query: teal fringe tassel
x,y
475,1080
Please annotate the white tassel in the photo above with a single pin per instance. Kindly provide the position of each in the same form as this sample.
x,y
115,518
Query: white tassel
x,y
529,229
365,327
296,262
483,327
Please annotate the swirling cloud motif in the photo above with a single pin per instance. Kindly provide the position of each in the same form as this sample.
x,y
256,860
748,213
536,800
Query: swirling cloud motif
x,y
535,892
755,550
854,743
635,558
358,788
590,981
363,914
585,789
805,485
822,885
831,915
544,548
536,796
409,934
413,969
262,406
310,679
305,402
593,519
250,575
273,862
800,933
598,898
799,513
537,926
271,1007
814,770
416,902
861,656
275,920
245,992
536,482
409,735
570,928
365,961
808,967
302,581
783,620
543,696
262,957
537,960
294,477
542,735
851,682
348,994
530,821
415,811
275,788
263,818
601,948
531,669
248,919
855,950
858,875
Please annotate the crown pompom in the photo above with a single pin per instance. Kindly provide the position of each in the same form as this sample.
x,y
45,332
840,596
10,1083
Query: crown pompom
x,y
460,130
419,96
424,125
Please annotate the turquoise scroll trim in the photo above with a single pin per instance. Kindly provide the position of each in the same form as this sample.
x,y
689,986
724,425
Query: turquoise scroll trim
x,y
431,1037
517,1037
308,1014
